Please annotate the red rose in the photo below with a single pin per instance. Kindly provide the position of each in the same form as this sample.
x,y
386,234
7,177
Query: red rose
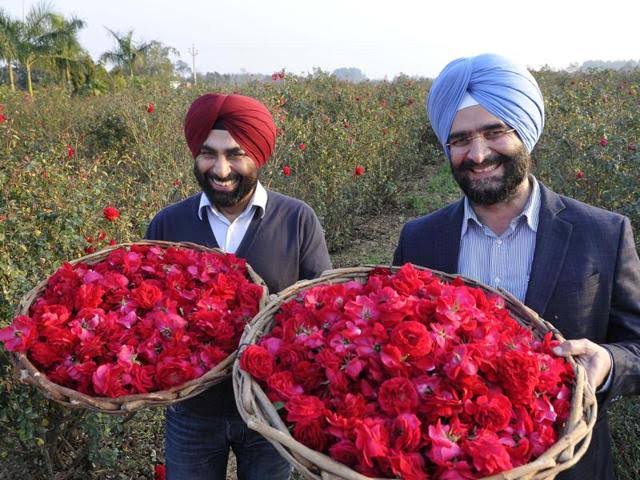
x,y
282,383
398,395
444,446
308,374
406,432
171,372
412,338
492,411
542,438
489,456
159,472
89,296
344,452
304,409
603,142
579,175
146,295
408,466
359,170
519,375
44,355
142,378
311,434
107,381
111,213
302,146
70,151
20,335
286,171
372,439
256,361
151,108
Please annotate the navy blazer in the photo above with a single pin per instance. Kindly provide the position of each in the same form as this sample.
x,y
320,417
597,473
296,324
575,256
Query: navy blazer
x,y
585,279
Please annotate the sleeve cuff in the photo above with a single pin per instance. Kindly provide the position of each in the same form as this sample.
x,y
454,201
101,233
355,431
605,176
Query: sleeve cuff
x,y
607,383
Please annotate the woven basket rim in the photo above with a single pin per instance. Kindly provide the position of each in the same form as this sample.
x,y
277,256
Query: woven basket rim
x,y
29,373
260,415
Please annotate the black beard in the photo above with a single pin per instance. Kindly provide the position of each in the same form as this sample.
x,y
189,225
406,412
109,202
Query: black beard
x,y
245,187
491,191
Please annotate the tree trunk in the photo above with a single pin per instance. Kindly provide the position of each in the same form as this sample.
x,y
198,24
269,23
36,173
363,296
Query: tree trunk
x,y
11,80
29,84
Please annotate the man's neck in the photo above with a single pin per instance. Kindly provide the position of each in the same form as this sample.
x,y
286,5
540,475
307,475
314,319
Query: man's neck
x,y
498,216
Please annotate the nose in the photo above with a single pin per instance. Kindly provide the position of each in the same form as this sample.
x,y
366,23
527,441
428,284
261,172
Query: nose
x,y
478,150
222,167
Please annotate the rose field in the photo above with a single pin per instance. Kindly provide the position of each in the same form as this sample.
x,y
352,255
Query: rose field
x,y
82,172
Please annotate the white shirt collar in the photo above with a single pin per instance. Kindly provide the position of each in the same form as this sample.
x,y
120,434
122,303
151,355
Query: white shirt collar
x,y
258,200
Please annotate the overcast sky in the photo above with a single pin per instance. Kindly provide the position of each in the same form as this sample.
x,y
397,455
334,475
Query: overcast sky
x,y
381,38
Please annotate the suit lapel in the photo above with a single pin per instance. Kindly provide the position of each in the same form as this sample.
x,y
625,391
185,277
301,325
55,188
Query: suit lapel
x,y
552,242
446,252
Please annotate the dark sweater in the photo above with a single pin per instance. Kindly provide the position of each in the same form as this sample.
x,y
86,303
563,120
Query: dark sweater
x,y
284,245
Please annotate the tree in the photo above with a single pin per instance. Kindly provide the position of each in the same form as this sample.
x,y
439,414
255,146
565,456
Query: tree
x,y
33,39
156,61
127,54
45,36
350,74
183,69
67,54
9,31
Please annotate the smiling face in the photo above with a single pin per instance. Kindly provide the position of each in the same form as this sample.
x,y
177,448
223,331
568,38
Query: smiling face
x,y
488,171
224,172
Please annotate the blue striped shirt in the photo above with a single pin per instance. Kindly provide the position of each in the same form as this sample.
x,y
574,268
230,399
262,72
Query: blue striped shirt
x,y
501,261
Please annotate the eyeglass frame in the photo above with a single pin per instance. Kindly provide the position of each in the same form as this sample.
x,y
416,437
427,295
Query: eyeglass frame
x,y
469,138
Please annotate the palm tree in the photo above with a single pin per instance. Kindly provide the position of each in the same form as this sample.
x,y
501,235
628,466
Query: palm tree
x,y
34,39
45,37
9,29
127,54
67,53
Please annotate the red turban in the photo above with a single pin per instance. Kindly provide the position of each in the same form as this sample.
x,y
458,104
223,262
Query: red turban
x,y
246,119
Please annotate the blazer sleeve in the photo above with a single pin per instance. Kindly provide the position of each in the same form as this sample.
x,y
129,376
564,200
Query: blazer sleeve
x,y
154,230
314,255
398,255
624,320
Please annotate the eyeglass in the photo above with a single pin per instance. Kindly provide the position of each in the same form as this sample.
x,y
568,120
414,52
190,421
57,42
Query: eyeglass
x,y
491,135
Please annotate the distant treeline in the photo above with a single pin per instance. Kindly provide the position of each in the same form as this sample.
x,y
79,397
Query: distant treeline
x,y
624,65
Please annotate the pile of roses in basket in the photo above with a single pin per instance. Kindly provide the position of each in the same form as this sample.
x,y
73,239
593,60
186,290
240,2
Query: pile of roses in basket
x,y
409,376
141,320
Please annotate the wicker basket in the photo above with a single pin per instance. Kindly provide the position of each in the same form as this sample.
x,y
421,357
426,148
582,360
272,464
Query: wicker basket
x,y
260,415
28,373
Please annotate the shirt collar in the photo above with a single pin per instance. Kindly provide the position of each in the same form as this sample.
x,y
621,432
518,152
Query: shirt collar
x,y
531,211
258,200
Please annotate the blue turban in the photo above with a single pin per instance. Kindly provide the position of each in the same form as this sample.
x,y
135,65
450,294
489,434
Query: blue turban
x,y
503,88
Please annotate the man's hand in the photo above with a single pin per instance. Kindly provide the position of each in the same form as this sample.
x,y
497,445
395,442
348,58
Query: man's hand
x,y
595,359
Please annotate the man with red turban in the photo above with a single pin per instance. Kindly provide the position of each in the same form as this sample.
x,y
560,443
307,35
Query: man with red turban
x,y
231,137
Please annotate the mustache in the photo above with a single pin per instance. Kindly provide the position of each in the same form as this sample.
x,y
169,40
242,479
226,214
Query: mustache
x,y
487,162
231,177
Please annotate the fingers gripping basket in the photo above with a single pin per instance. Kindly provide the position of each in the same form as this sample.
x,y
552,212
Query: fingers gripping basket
x,y
261,415
28,372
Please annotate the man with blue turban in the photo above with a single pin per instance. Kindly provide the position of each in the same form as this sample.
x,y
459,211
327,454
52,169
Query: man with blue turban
x,y
573,264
